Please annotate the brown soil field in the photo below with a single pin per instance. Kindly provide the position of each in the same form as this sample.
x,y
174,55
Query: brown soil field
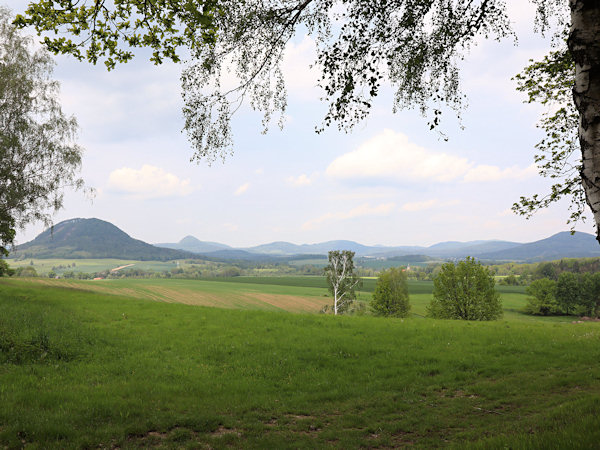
x,y
231,300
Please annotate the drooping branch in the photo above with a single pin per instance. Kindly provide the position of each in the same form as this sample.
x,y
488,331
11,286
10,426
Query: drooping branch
x,y
549,82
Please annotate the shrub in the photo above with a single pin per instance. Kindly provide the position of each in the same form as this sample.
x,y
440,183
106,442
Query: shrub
x,y
466,291
26,271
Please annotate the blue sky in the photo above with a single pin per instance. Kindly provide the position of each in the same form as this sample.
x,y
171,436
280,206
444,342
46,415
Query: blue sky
x,y
390,181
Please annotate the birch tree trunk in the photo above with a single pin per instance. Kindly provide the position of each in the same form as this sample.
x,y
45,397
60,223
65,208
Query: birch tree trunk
x,y
584,45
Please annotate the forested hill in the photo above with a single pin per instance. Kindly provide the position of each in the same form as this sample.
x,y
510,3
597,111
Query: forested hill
x,y
560,245
93,238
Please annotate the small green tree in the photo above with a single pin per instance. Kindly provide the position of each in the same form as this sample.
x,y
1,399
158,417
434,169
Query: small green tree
x,y
545,270
509,280
390,297
342,279
5,270
542,297
466,291
567,292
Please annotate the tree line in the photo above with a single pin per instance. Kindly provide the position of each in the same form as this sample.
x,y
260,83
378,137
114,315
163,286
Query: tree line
x,y
463,290
569,293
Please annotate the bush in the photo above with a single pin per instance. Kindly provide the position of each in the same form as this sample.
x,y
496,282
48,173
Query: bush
x,y
510,280
26,271
465,291
390,297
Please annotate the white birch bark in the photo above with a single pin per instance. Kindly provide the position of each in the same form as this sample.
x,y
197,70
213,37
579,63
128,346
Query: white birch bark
x,y
341,273
584,45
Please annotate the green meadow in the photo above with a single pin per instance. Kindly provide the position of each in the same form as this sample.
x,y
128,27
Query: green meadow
x,y
43,266
81,368
291,293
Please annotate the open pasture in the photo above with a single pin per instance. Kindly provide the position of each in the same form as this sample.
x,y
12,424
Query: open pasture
x,y
43,266
204,293
87,370
294,294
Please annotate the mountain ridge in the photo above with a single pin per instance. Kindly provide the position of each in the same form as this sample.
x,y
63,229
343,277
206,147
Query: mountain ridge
x,y
95,238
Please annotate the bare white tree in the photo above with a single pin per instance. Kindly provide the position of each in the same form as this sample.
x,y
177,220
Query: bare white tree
x,y
342,279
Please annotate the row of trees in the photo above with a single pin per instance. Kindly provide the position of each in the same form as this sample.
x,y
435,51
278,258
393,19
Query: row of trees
x,y
570,293
465,290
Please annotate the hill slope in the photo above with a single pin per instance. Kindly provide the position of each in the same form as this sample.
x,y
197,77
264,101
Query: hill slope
x,y
92,238
560,245
192,244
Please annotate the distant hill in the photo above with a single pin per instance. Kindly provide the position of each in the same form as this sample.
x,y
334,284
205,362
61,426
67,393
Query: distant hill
x,y
560,245
192,244
93,238
286,248
472,248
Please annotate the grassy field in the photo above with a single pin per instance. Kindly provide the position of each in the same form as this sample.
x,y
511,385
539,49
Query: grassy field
x,y
221,294
294,294
83,369
43,266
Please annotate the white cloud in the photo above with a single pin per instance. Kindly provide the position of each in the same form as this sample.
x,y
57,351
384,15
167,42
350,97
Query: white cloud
x,y
419,206
299,181
148,182
360,211
243,188
391,156
484,173
428,204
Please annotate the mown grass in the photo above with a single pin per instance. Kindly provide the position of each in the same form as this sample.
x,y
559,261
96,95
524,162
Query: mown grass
x,y
130,373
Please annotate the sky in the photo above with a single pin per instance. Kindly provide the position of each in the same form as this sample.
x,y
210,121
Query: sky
x,y
391,181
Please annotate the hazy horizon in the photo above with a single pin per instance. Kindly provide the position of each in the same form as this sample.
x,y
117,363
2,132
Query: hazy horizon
x,y
368,244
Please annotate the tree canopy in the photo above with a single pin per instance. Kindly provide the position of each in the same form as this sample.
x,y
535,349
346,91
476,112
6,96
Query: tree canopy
x,y
413,45
38,152
466,291
390,297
